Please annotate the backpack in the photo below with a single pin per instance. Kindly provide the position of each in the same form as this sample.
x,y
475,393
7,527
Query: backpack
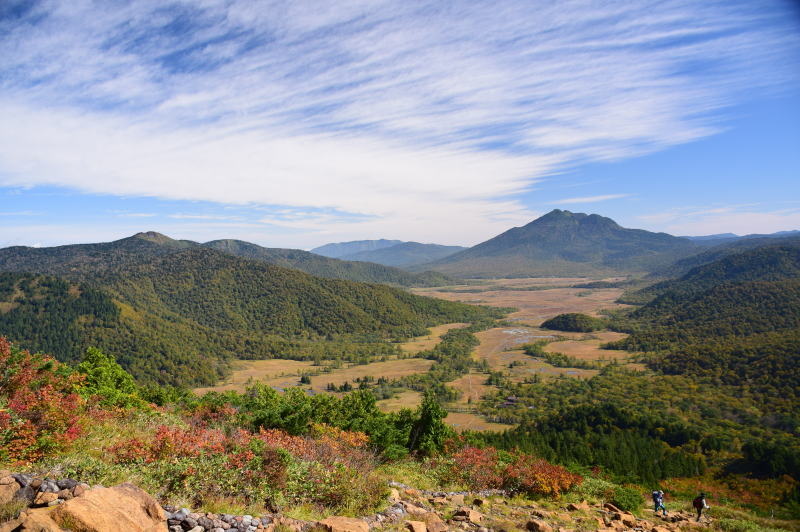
x,y
698,502
656,496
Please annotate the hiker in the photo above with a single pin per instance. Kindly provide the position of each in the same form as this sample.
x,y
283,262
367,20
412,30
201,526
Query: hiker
x,y
658,502
699,504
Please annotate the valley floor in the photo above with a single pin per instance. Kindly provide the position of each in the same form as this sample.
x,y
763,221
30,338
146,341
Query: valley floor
x,y
536,300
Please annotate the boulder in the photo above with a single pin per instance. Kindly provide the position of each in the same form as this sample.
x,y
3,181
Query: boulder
x,y
471,515
457,499
394,495
415,510
123,507
44,498
8,491
344,524
611,508
537,525
434,523
480,502
32,520
416,526
578,507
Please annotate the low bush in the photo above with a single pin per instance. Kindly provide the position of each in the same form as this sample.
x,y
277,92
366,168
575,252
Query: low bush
x,y
627,499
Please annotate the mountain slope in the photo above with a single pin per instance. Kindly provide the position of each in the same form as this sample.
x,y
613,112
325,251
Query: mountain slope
x,y
338,250
405,254
178,318
83,261
327,267
736,319
566,243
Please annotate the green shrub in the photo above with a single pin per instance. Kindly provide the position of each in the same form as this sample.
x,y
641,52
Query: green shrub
x,y
574,322
595,489
627,499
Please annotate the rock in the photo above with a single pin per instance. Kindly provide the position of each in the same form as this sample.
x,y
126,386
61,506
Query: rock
x,y
67,483
434,523
659,529
32,520
413,509
394,495
65,494
197,529
438,501
344,524
579,507
471,515
457,499
123,507
563,529
416,526
480,502
537,525
43,498
541,514
80,489
611,508
8,491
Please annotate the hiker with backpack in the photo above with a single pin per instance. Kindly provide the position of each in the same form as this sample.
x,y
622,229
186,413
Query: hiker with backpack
x,y
699,504
658,502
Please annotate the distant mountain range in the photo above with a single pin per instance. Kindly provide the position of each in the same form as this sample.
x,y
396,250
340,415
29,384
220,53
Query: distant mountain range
x,y
566,244
729,237
388,252
340,249
81,261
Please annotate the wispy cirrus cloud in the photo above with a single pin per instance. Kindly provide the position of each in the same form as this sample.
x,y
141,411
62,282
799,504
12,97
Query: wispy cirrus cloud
x,y
741,219
590,199
406,114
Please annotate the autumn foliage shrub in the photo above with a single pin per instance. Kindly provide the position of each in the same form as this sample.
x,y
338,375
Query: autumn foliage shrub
x,y
40,410
488,468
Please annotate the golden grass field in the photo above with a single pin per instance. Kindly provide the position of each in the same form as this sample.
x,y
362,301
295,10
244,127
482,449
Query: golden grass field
x,y
286,373
498,346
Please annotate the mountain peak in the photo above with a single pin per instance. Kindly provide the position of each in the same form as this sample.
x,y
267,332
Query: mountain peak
x,y
153,236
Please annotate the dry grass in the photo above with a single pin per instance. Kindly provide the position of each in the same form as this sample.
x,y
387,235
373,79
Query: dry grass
x,y
423,343
391,369
589,349
535,306
405,399
462,421
247,371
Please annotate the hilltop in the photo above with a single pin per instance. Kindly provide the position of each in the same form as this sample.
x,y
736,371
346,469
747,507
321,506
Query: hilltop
x,y
565,243
83,261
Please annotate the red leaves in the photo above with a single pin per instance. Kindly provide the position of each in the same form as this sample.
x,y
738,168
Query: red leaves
x,y
488,468
42,411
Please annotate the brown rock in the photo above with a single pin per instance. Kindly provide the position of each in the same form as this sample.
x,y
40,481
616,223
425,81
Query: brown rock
x,y
7,492
457,500
6,478
65,494
578,507
411,492
480,502
628,519
416,526
80,489
43,499
611,508
414,510
434,523
123,507
563,529
660,529
344,524
394,495
35,483
541,514
471,515
32,520
537,525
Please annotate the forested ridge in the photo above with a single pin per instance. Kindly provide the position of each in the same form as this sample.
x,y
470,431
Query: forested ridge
x,y
179,318
81,262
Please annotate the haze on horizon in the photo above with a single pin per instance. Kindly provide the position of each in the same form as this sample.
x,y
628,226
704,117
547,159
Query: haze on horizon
x,y
294,124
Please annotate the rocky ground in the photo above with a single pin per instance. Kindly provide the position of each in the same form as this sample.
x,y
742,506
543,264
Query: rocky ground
x,y
55,505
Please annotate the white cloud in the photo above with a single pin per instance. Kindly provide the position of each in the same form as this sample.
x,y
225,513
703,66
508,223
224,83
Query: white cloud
x,y
590,199
416,119
738,219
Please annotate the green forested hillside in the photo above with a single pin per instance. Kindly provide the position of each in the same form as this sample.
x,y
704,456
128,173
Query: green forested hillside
x,y
351,270
178,318
736,320
565,243
84,261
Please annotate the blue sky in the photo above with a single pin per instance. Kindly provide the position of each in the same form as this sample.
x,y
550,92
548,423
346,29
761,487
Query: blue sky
x,y
293,124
